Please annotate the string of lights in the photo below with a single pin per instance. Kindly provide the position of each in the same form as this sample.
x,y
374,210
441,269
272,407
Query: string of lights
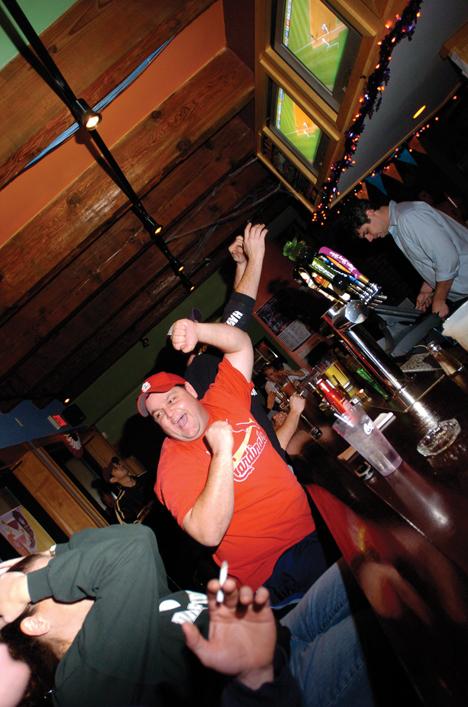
x,y
401,27
403,153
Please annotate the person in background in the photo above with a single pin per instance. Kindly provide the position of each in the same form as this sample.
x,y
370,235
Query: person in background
x,y
278,375
434,243
131,494
94,618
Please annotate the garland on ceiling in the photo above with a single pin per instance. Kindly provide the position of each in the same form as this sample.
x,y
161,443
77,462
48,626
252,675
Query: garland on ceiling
x,y
401,27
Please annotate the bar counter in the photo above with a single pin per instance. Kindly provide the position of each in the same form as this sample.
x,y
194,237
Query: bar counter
x,y
405,537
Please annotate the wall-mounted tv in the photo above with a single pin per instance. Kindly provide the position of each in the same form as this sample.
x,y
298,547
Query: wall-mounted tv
x,y
317,42
292,124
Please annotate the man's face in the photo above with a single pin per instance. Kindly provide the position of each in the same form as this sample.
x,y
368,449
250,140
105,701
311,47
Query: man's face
x,y
119,472
178,412
376,227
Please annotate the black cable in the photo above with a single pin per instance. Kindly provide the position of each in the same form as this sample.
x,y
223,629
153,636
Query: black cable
x,y
61,86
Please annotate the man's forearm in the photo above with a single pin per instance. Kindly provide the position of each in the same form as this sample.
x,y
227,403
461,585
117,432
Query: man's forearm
x,y
426,288
442,289
288,428
232,341
439,305
14,596
226,338
211,514
239,274
250,280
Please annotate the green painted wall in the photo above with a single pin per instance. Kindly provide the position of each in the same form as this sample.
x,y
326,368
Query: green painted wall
x,y
41,14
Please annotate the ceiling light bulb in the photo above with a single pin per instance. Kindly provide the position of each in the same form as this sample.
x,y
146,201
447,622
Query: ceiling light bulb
x,y
86,116
92,121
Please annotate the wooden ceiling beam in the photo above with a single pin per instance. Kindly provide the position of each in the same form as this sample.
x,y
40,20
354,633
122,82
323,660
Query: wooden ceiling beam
x,y
152,149
102,257
105,329
125,33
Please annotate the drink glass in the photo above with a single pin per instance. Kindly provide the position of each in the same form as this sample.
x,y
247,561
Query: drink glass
x,y
362,434
439,438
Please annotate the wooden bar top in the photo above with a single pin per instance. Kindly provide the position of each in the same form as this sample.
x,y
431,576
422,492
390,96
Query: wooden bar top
x,y
405,536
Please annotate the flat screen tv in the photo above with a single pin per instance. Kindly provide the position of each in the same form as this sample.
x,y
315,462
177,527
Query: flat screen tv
x,y
295,128
317,42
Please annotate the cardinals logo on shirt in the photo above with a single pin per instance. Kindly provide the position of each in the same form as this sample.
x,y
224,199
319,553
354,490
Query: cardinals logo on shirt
x,y
249,443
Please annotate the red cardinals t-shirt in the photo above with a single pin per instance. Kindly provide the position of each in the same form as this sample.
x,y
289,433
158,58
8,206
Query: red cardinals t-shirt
x,y
271,511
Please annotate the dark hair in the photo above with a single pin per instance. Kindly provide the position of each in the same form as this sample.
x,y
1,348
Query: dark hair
x,y
355,214
37,654
276,364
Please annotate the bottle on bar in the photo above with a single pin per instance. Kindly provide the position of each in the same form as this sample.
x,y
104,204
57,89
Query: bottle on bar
x,y
334,396
362,374
448,362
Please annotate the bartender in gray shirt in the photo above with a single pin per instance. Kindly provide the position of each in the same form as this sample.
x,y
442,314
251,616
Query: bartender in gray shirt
x,y
434,243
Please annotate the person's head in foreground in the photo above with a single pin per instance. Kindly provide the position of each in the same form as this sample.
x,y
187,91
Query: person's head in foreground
x,y
36,641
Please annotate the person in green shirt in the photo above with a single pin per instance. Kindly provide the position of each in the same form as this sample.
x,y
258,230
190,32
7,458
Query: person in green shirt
x,y
97,625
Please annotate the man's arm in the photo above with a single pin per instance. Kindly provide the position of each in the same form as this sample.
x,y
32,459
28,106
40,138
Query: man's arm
x,y
253,248
232,341
14,596
439,303
289,426
248,252
210,516
424,297
120,567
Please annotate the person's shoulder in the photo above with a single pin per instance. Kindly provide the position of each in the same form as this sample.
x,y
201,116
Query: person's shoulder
x,y
411,214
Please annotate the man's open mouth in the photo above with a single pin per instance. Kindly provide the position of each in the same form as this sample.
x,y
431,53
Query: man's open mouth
x,y
182,421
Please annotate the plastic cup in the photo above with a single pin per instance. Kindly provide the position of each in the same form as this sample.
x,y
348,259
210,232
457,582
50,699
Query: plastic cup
x,y
362,434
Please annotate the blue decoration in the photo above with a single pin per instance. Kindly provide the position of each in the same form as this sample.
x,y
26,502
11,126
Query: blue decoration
x,y
406,156
377,182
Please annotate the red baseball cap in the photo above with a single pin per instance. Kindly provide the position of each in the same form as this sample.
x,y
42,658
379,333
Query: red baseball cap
x,y
159,383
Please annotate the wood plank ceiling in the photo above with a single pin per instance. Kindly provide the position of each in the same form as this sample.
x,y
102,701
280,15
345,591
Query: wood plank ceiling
x,y
81,281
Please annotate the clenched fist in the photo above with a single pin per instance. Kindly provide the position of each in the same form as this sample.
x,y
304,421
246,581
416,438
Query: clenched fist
x,y
184,335
220,438
236,250
297,403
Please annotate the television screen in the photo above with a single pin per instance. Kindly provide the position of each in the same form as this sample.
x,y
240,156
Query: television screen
x,y
318,43
296,128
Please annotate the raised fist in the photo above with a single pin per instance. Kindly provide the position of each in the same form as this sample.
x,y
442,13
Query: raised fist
x,y
220,438
297,403
184,335
236,250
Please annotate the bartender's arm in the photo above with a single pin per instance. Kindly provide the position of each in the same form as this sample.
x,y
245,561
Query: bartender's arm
x,y
439,300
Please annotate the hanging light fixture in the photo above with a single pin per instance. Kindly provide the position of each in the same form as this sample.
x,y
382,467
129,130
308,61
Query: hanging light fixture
x,y
86,116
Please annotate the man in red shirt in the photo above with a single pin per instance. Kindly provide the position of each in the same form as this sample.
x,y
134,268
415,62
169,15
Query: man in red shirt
x,y
220,476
